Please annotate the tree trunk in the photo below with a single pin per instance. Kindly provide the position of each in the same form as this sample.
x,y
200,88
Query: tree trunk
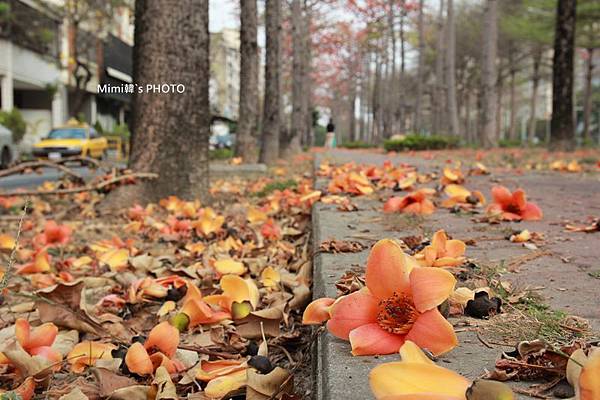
x,y
420,70
499,98
438,118
562,129
488,78
170,130
307,79
512,130
248,111
468,116
587,98
269,151
537,61
292,145
451,70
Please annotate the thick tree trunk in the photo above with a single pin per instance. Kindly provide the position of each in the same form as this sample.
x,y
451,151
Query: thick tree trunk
x,y
420,70
499,99
269,151
488,78
292,145
535,82
451,70
307,79
438,118
587,98
562,127
512,129
468,116
170,130
248,110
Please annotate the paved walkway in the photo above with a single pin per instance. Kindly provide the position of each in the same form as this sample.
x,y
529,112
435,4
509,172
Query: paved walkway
x,y
562,276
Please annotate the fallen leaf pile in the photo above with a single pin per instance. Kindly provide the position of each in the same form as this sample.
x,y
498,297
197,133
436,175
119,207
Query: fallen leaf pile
x,y
171,300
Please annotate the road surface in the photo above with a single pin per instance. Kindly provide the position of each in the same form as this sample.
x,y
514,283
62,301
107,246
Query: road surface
x,y
34,179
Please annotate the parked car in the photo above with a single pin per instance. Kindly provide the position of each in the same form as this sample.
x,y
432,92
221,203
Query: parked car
x,y
72,139
8,150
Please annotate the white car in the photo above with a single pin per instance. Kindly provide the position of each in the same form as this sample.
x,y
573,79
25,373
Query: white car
x,y
8,150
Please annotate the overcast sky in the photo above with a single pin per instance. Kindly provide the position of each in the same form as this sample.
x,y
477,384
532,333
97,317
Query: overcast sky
x,y
222,14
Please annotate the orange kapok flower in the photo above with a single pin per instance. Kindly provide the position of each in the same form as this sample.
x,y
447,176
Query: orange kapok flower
x,y
270,230
210,370
399,303
37,341
196,311
413,203
55,234
442,252
583,373
452,176
459,195
513,206
235,290
25,391
40,263
87,353
317,311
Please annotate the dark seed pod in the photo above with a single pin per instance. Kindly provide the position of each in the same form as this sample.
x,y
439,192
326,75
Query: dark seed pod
x,y
483,306
261,364
175,294
140,338
251,348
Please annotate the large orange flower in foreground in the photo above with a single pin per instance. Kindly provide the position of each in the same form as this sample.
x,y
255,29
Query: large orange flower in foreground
x,y
399,303
413,203
513,206
416,377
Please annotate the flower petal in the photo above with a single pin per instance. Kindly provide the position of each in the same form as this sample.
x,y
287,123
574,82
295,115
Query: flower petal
x,y
386,271
138,361
350,312
519,198
317,311
403,380
370,340
454,190
430,287
240,290
219,387
164,337
532,212
501,195
438,242
431,331
410,352
455,248
589,380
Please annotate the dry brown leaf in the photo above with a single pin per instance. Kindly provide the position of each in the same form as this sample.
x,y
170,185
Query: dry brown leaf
x,y
109,381
269,318
340,246
261,387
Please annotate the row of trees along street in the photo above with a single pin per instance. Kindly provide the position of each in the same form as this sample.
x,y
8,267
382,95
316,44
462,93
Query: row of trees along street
x,y
470,69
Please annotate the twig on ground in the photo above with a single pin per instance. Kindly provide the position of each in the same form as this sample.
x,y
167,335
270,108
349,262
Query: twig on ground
x,y
42,163
13,253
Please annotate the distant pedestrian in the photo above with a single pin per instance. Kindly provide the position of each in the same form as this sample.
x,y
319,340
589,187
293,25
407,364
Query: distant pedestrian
x,y
330,141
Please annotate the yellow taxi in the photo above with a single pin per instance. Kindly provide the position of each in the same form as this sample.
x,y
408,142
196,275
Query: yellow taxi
x,y
73,139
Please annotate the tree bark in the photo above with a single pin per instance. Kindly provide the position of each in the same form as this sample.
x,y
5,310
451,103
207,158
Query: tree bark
x,y
170,130
271,118
512,130
298,120
451,70
562,127
248,109
438,119
420,70
587,98
535,81
307,78
489,78
499,98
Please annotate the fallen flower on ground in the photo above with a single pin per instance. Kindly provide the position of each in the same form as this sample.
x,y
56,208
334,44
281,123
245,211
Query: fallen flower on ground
x,y
513,206
583,373
417,377
87,353
442,252
416,202
54,234
37,341
399,303
452,176
459,195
